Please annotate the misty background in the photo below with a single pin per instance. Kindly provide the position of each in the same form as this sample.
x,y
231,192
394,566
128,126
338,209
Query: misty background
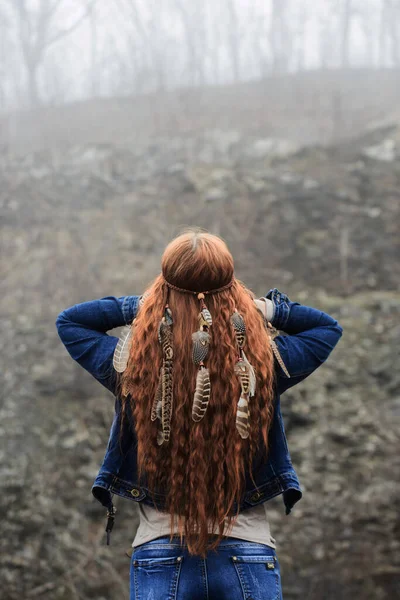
x,y
273,123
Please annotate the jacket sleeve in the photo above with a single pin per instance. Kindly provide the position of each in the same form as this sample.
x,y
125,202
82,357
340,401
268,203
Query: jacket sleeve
x,y
311,336
82,329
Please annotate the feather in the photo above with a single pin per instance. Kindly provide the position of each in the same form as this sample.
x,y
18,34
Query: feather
x,y
162,404
159,410
278,357
168,316
251,374
165,337
121,352
164,331
242,372
166,344
201,394
206,316
167,397
160,437
272,331
157,398
239,327
242,417
201,341
143,297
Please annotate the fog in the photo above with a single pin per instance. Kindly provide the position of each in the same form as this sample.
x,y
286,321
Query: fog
x,y
272,123
57,51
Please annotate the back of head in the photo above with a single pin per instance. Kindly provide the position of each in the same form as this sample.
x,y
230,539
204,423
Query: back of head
x,y
197,261
201,465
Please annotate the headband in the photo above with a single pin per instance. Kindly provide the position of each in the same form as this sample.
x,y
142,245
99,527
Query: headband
x,y
213,291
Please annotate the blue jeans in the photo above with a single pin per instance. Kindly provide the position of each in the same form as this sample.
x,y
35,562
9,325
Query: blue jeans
x,y
237,570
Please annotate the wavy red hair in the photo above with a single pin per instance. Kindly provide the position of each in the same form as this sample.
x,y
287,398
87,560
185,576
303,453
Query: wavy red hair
x,y
202,467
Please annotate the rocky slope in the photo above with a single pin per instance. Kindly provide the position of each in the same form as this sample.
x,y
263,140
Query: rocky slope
x,y
320,224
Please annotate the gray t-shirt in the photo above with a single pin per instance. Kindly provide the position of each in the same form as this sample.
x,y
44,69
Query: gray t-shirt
x,y
252,525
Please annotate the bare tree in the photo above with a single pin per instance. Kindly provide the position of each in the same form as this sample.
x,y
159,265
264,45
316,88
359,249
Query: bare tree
x,y
393,12
300,24
94,82
3,54
37,31
345,32
234,41
389,32
193,20
148,40
280,39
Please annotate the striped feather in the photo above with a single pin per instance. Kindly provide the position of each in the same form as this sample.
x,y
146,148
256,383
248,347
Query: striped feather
x,y
157,398
242,417
167,397
121,352
278,357
201,394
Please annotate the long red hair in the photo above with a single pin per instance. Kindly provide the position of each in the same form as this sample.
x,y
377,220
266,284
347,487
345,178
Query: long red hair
x,y
202,466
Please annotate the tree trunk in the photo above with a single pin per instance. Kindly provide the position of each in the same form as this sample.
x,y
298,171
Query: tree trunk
x,y
280,39
234,40
94,88
345,34
33,93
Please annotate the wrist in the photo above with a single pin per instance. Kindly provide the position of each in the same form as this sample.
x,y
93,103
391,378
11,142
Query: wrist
x,y
270,309
281,307
129,307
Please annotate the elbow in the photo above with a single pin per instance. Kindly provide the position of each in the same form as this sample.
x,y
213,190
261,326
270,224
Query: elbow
x,y
332,324
339,330
61,320
336,332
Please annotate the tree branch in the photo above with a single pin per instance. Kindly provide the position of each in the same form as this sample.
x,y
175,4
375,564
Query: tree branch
x,y
64,32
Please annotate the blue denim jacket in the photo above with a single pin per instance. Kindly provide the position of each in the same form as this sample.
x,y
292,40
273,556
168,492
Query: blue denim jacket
x,y
306,339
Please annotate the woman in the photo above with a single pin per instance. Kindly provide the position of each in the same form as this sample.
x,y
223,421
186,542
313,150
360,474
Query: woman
x,y
198,437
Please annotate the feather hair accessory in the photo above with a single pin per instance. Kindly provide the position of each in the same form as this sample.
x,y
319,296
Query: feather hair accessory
x,y
246,375
250,374
202,394
121,352
201,341
162,404
273,333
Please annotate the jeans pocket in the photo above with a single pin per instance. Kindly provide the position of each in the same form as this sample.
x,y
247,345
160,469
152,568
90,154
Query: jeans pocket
x,y
259,575
155,575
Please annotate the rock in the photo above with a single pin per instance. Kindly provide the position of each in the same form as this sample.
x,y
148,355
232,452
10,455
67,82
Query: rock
x,y
385,151
271,148
215,194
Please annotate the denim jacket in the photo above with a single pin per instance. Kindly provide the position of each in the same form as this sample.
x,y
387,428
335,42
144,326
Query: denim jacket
x,y
306,338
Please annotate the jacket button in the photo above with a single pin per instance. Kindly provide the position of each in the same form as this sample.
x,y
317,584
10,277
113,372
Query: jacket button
x,y
135,492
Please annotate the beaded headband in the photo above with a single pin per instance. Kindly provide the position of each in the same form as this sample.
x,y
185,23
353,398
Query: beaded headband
x,y
213,291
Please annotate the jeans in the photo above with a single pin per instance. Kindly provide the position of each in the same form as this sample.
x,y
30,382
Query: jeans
x,y
236,570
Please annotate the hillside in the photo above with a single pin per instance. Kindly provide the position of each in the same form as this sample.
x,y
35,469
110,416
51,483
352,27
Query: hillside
x,y
317,106
320,223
